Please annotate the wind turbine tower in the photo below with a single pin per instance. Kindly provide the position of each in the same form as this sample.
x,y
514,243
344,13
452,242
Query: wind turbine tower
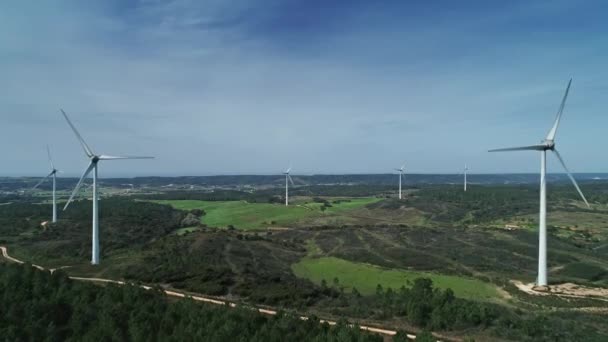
x,y
93,161
548,144
400,170
466,169
287,180
54,175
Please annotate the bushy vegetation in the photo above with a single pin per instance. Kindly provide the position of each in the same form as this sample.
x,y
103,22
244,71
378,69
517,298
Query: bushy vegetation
x,y
264,196
434,230
425,306
39,306
583,270
125,224
249,266
450,205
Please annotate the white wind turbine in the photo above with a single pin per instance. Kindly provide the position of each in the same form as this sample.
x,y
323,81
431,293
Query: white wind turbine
x,y
94,160
54,175
400,170
287,180
548,144
466,169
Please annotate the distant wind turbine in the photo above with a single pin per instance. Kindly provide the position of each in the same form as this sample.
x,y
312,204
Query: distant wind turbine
x,y
94,160
548,144
131,187
466,169
400,170
54,175
287,180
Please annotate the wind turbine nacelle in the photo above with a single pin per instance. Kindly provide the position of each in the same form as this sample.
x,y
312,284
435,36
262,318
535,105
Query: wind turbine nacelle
x,y
549,144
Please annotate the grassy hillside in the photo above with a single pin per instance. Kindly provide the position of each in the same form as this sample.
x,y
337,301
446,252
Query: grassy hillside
x,y
245,215
366,277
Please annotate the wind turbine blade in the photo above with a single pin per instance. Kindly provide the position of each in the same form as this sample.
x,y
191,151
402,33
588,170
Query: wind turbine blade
x,y
521,148
86,147
561,160
48,151
84,175
551,134
106,157
291,180
42,180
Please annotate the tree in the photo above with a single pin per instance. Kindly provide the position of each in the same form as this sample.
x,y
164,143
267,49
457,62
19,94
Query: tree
x,y
31,298
425,336
379,291
401,336
336,282
190,220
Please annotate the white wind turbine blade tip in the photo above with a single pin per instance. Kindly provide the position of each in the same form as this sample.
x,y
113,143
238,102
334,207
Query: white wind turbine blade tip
x,y
79,184
86,147
561,160
553,130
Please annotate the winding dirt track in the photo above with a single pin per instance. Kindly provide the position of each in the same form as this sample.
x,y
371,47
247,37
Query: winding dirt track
x,y
386,332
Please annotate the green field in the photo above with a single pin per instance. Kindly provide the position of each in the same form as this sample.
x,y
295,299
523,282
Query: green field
x,y
245,215
366,277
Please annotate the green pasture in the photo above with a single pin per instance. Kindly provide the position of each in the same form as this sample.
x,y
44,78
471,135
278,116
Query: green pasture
x,y
245,215
366,277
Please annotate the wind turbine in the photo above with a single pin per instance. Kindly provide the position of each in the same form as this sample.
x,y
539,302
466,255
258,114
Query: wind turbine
x,y
54,175
400,170
466,168
94,160
287,180
548,144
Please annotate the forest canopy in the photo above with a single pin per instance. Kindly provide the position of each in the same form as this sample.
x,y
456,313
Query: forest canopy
x,y
40,306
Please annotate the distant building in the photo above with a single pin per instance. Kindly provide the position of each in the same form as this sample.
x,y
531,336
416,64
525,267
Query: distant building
x,y
511,227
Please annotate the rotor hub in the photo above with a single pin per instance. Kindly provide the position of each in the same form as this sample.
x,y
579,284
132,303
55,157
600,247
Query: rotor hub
x,y
549,144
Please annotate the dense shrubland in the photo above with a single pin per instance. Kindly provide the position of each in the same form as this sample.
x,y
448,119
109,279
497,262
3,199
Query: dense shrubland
x,y
125,224
39,306
424,306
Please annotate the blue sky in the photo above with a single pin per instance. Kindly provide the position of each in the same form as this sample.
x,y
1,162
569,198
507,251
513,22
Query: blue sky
x,y
217,86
